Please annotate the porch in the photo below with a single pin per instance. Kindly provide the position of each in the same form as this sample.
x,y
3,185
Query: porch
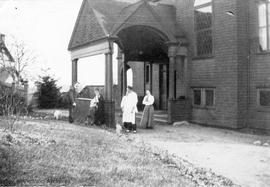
x,y
142,36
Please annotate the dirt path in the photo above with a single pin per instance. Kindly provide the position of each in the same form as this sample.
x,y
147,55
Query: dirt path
x,y
229,153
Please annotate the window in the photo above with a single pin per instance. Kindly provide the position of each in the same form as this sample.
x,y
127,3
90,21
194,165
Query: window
x,y
264,25
147,73
203,27
204,97
197,97
264,97
209,97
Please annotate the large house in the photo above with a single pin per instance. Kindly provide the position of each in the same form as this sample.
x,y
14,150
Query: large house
x,y
8,78
206,61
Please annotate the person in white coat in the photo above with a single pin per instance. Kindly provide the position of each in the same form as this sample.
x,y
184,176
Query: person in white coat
x,y
129,109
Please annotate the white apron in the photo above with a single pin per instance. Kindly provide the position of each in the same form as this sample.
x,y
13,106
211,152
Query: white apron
x,y
129,107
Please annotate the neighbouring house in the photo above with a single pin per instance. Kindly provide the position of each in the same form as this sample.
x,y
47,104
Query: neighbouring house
x,y
205,61
7,78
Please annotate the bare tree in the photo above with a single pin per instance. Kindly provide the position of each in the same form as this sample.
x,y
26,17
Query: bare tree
x,y
22,58
13,61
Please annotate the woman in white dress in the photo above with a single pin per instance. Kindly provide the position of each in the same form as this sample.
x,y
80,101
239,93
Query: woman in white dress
x,y
148,112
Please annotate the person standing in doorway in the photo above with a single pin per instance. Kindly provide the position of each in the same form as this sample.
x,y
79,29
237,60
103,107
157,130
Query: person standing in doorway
x,y
72,95
129,109
148,112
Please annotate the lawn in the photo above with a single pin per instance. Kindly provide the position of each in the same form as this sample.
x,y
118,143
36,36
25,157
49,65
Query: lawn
x,y
56,153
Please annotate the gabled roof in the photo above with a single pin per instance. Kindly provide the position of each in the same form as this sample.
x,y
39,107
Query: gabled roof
x,y
95,21
98,19
125,14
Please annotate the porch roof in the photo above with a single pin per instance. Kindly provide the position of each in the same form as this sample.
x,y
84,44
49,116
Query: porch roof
x,y
99,19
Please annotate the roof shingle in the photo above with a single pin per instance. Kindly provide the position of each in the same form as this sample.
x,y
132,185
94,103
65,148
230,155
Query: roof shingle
x,y
99,18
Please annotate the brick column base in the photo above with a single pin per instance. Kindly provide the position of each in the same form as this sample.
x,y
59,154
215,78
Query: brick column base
x,y
109,113
179,110
81,110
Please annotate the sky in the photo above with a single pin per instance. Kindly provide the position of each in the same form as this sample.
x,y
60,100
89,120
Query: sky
x,y
45,26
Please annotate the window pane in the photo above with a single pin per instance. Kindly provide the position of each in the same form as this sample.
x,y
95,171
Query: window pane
x,y
263,39
209,100
147,74
197,97
265,97
201,2
262,15
203,18
204,43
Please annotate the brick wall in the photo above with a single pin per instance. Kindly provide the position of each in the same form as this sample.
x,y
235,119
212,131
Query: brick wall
x,y
179,110
243,60
227,69
236,69
259,72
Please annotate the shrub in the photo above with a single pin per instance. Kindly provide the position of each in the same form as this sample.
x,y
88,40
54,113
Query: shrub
x,y
12,106
48,93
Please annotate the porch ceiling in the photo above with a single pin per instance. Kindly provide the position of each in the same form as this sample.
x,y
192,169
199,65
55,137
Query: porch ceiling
x,y
141,43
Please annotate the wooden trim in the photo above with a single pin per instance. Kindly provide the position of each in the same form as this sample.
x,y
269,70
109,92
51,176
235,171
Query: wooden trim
x,y
96,48
203,5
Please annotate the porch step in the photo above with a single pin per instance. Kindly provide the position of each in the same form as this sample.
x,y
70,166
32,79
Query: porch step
x,y
159,116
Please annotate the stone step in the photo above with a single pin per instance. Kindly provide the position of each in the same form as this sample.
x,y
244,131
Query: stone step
x,y
158,117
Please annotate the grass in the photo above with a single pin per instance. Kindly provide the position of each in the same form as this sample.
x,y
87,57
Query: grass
x,y
57,153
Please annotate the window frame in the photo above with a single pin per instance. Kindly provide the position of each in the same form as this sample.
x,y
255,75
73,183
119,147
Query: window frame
x,y
203,97
214,97
196,32
193,97
259,98
267,26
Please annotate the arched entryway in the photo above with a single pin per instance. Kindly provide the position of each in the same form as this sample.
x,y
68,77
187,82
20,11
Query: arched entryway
x,y
145,51
147,37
